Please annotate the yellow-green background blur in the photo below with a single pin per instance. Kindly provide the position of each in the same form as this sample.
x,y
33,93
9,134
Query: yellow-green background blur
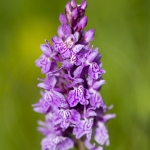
x,y
123,38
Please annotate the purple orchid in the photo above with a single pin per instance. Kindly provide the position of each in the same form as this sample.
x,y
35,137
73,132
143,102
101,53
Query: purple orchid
x,y
65,117
84,127
77,95
53,142
73,107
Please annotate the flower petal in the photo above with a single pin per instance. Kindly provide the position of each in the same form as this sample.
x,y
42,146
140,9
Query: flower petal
x,y
95,71
89,36
59,99
60,32
84,127
96,100
75,116
66,29
77,36
53,142
98,84
65,144
46,49
101,135
92,55
61,47
42,106
44,63
72,98
78,71
77,48
67,64
49,82
108,117
51,79
90,113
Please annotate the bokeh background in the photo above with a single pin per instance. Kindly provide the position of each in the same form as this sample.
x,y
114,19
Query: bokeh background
x,y
123,37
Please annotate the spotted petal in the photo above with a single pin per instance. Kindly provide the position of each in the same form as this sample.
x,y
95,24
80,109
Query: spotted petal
x,y
84,127
61,47
95,71
54,142
71,98
76,96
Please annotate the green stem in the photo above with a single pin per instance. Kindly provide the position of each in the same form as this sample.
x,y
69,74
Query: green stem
x,y
80,145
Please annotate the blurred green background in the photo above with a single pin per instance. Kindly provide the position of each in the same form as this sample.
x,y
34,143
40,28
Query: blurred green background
x,y
123,37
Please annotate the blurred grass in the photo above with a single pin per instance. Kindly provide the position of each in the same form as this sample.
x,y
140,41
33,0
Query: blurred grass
x,y
122,35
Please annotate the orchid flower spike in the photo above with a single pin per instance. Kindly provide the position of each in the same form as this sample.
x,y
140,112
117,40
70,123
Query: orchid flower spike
x,y
70,99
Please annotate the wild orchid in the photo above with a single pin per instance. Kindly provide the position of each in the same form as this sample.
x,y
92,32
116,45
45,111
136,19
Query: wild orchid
x,y
70,100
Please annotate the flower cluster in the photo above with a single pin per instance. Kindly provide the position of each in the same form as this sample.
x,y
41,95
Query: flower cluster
x,y
71,101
